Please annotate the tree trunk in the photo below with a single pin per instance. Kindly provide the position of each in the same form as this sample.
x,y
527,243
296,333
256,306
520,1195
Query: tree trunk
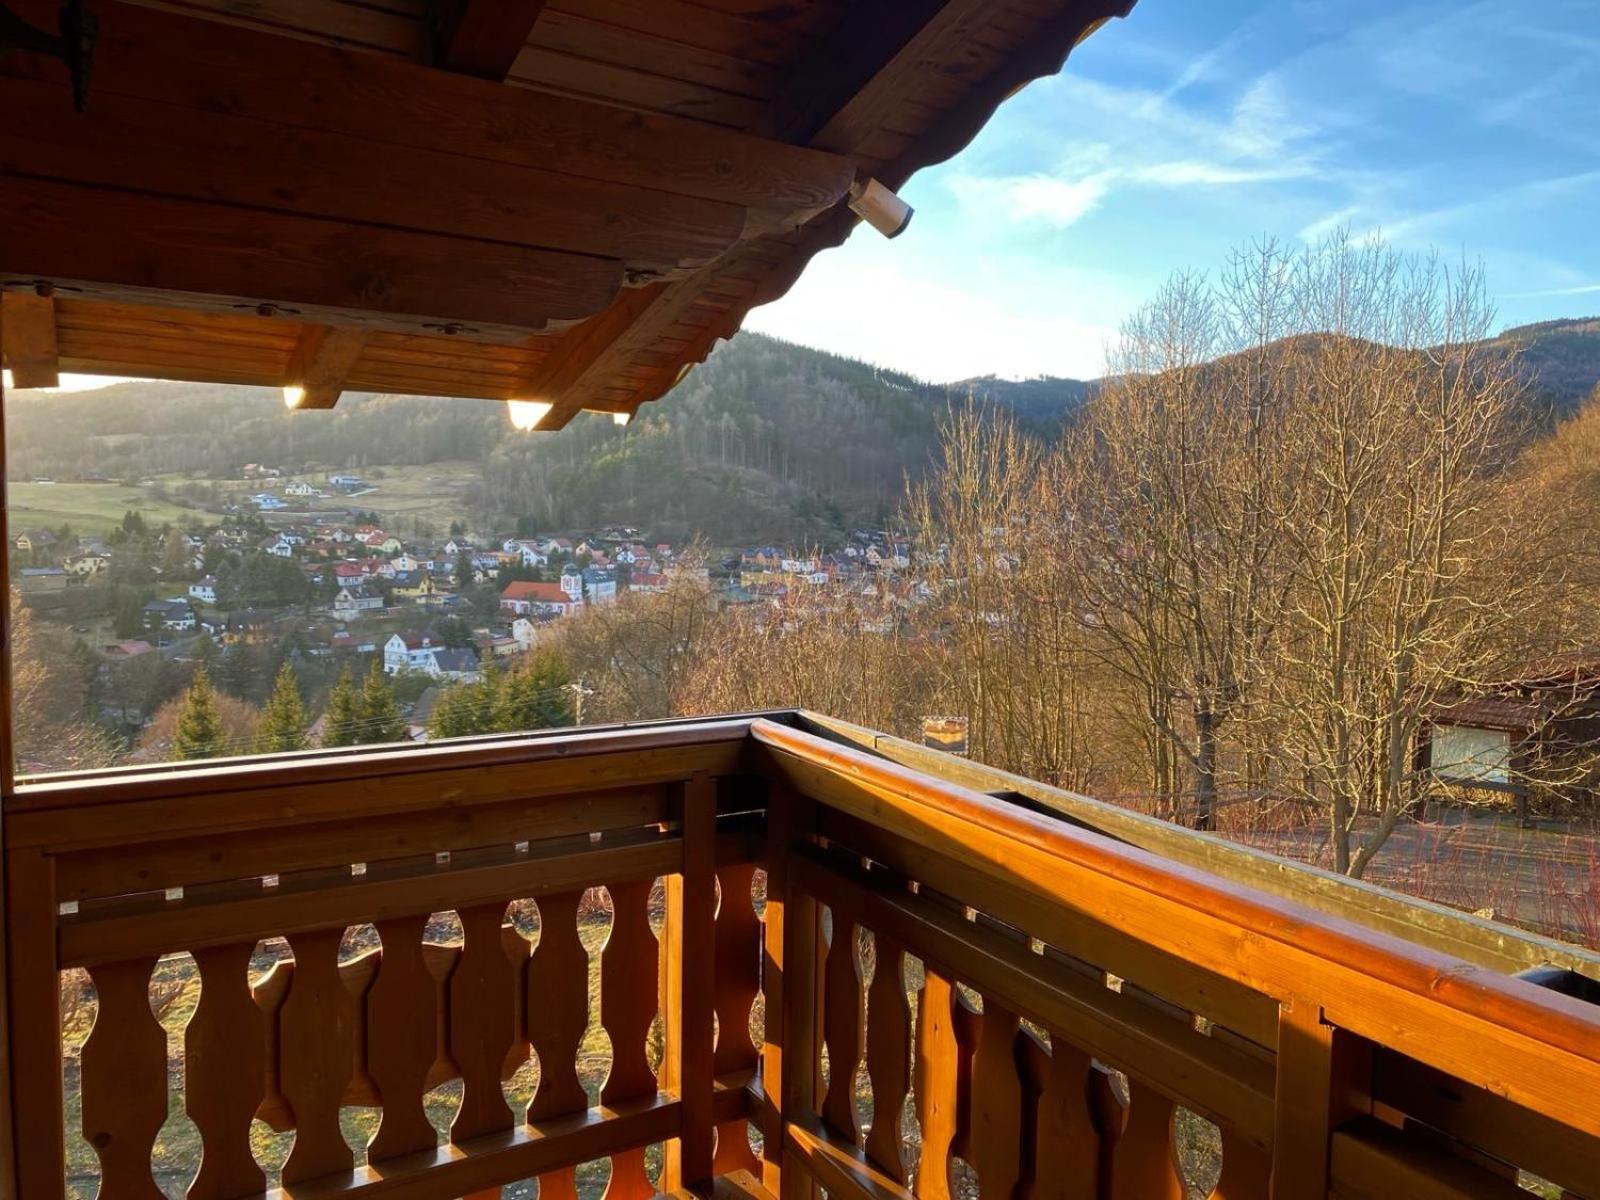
x,y
1205,770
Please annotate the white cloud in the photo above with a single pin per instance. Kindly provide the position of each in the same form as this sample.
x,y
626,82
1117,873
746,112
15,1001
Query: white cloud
x,y
1323,226
1196,172
1584,289
1053,200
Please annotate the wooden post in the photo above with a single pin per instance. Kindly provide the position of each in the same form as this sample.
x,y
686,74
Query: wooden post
x,y
791,1063
8,1162
688,959
34,998
1324,1079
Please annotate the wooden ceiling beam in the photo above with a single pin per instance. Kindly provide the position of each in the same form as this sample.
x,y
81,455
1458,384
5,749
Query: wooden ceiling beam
x,y
1045,54
28,338
867,40
157,249
482,37
219,157
206,66
322,362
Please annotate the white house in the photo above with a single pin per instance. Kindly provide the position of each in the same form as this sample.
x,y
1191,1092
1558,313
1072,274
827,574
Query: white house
x,y
170,614
572,583
419,652
527,549
406,652
599,586
88,563
204,590
299,488
525,633
460,665
533,599
352,601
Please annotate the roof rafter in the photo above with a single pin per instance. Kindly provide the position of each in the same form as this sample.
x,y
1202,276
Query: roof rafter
x,y
861,47
482,37
28,338
821,112
323,359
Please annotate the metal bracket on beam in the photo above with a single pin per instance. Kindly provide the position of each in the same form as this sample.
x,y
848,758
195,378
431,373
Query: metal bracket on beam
x,y
73,45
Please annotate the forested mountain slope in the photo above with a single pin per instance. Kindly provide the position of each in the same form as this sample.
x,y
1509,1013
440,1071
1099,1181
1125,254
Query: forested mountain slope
x,y
765,440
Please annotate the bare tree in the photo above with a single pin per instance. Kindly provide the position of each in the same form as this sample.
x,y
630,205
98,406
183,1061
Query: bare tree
x,y
1419,573
990,586
1169,498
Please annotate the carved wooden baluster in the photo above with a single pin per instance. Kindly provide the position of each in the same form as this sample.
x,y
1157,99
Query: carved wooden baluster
x,y
482,1023
517,950
628,1004
225,1073
1066,1146
889,1059
738,969
1110,1119
402,1039
844,1014
996,1111
316,1055
1246,1170
937,1081
359,974
441,962
124,1065
1145,1165
558,1015
269,996
967,1022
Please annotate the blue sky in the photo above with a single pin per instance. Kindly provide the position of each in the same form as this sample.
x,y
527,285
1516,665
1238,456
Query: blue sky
x,y
1194,125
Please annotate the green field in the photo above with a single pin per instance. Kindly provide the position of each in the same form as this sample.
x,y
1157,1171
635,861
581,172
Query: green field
x,y
402,495
89,507
431,493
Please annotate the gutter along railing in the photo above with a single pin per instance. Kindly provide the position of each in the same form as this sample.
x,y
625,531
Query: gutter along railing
x,y
1045,997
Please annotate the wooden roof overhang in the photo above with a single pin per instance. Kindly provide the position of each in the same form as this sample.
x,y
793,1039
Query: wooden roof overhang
x,y
566,201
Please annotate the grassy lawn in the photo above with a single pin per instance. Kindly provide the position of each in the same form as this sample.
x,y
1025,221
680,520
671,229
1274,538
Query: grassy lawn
x,y
402,495
89,507
431,493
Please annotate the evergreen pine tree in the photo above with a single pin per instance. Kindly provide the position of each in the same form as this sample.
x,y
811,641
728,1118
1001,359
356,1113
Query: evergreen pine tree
x,y
198,733
342,727
379,714
237,670
535,695
283,723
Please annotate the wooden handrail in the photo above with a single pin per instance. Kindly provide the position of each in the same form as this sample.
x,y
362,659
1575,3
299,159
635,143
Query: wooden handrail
x,y
1480,940
1496,1032
117,785
1084,954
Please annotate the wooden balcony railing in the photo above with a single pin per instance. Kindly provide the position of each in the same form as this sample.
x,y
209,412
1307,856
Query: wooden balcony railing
x,y
955,995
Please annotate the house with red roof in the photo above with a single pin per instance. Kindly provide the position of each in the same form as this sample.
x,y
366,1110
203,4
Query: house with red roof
x,y
532,599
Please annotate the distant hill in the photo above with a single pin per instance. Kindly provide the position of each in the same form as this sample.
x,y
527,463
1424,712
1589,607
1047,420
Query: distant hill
x,y
766,440
1562,359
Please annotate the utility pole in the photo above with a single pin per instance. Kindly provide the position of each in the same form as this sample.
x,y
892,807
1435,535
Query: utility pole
x,y
579,690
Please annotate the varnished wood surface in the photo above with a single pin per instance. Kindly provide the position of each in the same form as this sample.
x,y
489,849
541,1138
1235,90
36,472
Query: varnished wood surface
x,y
704,146
28,338
1009,1047
1487,943
1539,1048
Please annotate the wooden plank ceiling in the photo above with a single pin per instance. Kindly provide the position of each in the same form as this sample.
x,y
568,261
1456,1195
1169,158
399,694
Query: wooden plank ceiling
x,y
564,201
